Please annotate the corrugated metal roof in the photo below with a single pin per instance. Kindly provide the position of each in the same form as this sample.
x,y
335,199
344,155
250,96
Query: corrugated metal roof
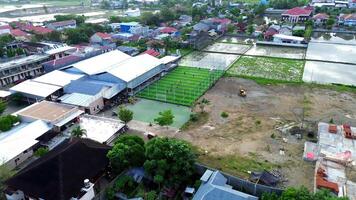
x,y
35,88
134,67
78,99
84,87
58,78
21,138
100,63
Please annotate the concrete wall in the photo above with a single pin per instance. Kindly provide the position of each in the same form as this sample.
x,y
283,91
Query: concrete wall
x,y
14,162
96,106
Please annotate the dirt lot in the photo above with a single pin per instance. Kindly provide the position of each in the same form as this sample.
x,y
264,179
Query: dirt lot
x,y
248,140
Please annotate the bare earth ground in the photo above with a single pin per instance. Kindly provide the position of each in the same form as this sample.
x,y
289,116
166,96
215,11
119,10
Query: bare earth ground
x,y
248,140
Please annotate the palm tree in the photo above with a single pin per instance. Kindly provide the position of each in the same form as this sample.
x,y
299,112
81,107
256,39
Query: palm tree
x,y
78,132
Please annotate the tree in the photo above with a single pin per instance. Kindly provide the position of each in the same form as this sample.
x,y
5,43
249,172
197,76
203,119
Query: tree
x,y
5,173
308,32
299,33
330,22
230,28
55,36
125,114
7,121
149,18
167,14
114,19
165,118
78,132
80,19
41,151
169,161
3,105
250,29
260,9
286,4
128,151
303,194
76,36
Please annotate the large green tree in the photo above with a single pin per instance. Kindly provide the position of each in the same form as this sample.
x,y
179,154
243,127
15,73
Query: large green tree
x,y
3,106
165,118
169,161
80,19
302,193
128,151
5,173
125,114
285,4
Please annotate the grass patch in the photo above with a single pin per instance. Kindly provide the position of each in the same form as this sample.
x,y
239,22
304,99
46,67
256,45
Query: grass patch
x,y
183,86
268,68
237,165
198,120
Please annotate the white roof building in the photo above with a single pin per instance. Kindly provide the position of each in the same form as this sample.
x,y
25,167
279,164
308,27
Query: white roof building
x,y
35,90
100,63
20,139
58,78
100,129
135,67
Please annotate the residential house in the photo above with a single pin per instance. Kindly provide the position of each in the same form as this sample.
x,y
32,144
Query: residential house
x,y
348,19
352,3
297,14
214,186
201,27
72,170
132,51
173,32
320,18
5,29
101,39
272,30
185,20
59,26
279,38
286,30
20,35
322,3
133,12
35,29
134,28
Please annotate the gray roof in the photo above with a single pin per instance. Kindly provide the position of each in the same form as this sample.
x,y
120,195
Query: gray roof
x,y
201,27
216,188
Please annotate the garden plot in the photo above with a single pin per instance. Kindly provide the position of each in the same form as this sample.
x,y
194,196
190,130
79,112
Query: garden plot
x,y
327,73
274,51
182,86
228,48
331,52
268,68
208,60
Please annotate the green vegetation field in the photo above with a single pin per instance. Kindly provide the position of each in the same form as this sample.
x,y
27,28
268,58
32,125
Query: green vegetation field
x,y
280,69
184,85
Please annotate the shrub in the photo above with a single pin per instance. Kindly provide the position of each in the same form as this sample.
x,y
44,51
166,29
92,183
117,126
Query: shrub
x,y
152,195
7,121
193,117
273,136
125,184
224,115
41,151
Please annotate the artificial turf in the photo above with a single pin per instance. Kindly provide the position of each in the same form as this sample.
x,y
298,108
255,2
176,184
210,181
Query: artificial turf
x,y
183,85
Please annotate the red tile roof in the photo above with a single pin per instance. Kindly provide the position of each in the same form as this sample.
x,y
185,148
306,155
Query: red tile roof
x,y
168,30
64,23
37,29
152,52
67,60
5,27
18,33
221,20
321,16
103,35
298,11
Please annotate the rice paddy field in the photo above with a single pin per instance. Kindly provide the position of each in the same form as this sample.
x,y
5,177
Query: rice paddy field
x,y
183,85
218,61
278,52
268,68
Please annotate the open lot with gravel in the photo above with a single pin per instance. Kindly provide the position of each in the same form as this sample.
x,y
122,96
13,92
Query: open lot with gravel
x,y
268,68
248,139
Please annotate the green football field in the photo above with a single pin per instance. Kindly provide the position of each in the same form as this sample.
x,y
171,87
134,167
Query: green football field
x,y
183,85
